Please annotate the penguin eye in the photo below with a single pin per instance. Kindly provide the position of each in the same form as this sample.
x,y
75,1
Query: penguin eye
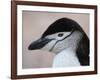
x,y
60,35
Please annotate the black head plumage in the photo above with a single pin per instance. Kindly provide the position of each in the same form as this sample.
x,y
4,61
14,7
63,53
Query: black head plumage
x,y
62,25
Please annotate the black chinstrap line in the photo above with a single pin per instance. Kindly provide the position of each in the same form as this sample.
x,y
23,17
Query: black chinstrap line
x,y
60,40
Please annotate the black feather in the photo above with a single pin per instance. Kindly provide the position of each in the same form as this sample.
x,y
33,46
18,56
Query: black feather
x,y
83,51
61,25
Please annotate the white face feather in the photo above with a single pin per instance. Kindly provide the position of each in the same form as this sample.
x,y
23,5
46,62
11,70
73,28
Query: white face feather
x,y
63,41
58,36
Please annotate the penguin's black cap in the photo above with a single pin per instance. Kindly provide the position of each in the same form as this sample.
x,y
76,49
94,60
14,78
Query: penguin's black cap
x,y
61,25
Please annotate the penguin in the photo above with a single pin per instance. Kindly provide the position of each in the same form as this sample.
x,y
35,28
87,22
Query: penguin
x,y
67,40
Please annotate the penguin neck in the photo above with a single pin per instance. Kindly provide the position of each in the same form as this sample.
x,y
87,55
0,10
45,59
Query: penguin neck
x,y
70,43
66,58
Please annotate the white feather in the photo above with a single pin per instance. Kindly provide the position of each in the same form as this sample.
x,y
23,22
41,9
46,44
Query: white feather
x,y
66,58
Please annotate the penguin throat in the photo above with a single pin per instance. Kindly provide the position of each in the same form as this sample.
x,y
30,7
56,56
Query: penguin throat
x,y
66,58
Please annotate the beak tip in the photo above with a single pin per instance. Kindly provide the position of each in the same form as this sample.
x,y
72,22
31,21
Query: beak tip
x,y
29,48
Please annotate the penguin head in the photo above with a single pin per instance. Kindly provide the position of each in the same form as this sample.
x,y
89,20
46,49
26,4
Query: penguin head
x,y
63,33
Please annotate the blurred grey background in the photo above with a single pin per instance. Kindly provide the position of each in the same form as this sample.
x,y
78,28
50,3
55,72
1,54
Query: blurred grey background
x,y
34,24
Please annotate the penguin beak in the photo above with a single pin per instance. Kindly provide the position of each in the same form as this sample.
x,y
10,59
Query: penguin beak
x,y
38,44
